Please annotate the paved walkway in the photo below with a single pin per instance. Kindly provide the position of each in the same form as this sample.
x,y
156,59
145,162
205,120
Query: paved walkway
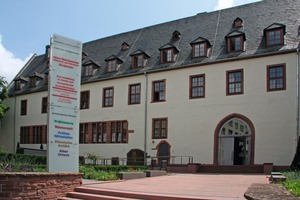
x,y
202,186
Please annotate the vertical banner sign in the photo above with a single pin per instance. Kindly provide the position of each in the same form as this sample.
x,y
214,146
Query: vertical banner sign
x,y
63,98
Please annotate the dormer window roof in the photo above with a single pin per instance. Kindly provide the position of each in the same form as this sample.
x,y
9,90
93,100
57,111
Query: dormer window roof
x,y
125,46
237,23
90,62
37,75
200,47
235,41
89,68
139,58
113,63
21,78
168,53
274,34
275,26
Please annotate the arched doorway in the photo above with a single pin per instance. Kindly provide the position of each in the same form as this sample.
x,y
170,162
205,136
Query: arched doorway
x,y
234,141
135,157
163,152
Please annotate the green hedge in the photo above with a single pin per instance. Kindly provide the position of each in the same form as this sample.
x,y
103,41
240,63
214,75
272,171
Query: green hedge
x,y
12,158
119,168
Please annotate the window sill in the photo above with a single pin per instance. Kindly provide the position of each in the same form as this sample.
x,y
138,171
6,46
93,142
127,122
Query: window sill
x,y
158,101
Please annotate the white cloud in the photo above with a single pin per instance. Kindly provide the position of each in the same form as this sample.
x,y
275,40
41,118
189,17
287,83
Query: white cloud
x,y
222,4
9,64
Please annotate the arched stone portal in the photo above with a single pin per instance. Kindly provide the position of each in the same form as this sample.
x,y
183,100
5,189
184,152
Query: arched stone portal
x,y
234,141
135,157
163,151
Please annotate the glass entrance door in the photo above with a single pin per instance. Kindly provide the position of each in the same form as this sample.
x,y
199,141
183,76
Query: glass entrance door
x,y
234,143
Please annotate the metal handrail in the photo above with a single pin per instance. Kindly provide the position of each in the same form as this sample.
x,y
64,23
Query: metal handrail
x,y
170,160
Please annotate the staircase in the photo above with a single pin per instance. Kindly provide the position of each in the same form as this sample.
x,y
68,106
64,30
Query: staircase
x,y
89,193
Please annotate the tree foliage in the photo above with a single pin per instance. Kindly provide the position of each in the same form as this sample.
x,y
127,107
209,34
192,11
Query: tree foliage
x,y
3,96
296,162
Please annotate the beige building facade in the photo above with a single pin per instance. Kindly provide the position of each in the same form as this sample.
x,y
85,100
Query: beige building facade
x,y
228,107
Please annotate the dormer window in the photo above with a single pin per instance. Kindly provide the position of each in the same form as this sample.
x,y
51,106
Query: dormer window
x,y
168,53
46,78
235,41
20,82
274,34
111,66
176,35
200,47
83,56
125,46
35,79
32,82
113,63
89,68
18,85
237,23
139,59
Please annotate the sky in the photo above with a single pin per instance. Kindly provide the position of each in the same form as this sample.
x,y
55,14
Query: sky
x,y
26,26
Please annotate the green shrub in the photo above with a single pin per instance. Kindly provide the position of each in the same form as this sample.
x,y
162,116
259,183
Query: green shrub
x,y
93,157
89,172
2,149
119,168
292,182
12,158
106,172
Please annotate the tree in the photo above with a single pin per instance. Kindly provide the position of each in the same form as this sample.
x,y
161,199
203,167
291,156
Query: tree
x,y
3,96
296,162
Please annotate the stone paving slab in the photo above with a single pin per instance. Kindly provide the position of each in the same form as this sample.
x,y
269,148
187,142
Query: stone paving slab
x,y
268,191
202,186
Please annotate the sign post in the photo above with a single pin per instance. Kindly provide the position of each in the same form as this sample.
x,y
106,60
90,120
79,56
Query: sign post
x,y
63,104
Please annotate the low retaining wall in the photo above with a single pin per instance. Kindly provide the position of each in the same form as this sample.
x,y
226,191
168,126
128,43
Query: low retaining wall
x,y
17,186
131,175
153,173
265,168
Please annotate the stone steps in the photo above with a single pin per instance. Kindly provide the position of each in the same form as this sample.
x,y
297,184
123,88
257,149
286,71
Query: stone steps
x,y
276,177
92,193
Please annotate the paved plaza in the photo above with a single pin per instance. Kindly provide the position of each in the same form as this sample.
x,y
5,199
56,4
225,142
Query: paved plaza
x,y
198,186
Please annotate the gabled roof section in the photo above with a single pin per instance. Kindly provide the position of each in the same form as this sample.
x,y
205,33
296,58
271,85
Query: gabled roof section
x,y
21,78
113,57
168,46
213,26
275,26
235,33
138,52
200,40
36,74
90,62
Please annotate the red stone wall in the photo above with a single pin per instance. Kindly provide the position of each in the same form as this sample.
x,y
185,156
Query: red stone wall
x,y
19,186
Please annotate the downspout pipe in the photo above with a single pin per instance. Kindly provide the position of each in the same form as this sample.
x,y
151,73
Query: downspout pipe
x,y
298,97
14,123
145,118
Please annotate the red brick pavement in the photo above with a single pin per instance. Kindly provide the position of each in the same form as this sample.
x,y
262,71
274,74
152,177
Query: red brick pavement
x,y
200,186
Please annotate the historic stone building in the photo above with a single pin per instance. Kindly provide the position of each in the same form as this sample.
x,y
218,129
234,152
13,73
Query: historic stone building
x,y
220,87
